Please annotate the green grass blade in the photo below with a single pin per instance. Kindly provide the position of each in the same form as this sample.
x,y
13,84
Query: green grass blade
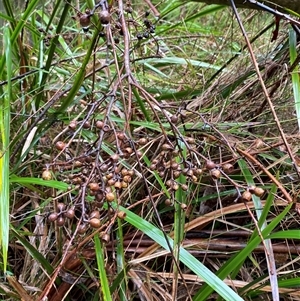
x,y
4,150
185,257
295,72
101,267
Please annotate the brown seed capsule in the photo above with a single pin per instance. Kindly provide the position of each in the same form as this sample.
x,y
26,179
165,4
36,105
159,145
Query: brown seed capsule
x,y
127,179
84,20
52,217
86,125
258,191
99,196
131,172
82,228
174,119
228,168
104,237
104,167
198,171
128,150
174,165
73,125
175,186
142,141
194,179
95,223
94,186
99,124
110,196
190,140
190,173
115,157
77,180
183,206
176,174
109,176
60,145
121,214
246,196
139,154
184,187
168,202
121,136
118,185
215,173
153,167
46,175
104,17
111,182
60,221
70,213
210,164
95,214
169,183
124,172
124,184
61,207
167,147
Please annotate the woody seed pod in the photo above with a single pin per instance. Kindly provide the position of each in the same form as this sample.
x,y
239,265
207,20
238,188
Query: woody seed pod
x,y
104,237
174,119
52,217
121,214
246,196
104,17
60,221
61,207
95,223
228,168
84,20
215,173
118,185
259,191
95,214
70,213
131,172
142,141
110,196
166,147
82,228
99,124
94,186
46,175
73,125
60,145
210,164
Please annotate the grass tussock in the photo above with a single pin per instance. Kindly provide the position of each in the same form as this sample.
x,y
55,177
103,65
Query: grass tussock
x,y
143,158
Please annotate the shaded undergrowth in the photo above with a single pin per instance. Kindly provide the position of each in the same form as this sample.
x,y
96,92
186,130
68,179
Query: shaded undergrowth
x,y
141,159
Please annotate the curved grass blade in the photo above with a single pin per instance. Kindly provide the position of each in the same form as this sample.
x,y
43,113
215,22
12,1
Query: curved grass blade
x,y
185,257
4,150
101,267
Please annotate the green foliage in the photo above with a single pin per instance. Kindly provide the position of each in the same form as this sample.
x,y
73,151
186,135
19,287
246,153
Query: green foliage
x,y
139,158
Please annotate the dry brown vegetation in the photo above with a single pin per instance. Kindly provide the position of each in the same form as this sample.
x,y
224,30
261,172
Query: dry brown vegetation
x,y
148,159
